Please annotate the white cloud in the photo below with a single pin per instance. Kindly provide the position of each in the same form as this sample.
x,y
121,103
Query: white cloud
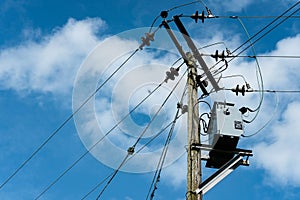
x,y
51,64
175,174
279,156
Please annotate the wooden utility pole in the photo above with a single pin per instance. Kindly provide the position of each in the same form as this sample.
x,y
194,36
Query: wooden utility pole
x,y
194,172
193,156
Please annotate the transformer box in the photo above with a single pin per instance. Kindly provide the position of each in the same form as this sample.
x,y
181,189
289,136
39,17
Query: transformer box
x,y
224,130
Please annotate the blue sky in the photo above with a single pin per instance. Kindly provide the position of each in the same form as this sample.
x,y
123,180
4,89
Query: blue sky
x,y
45,48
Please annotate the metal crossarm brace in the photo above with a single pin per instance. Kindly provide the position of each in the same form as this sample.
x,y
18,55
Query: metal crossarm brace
x,y
205,147
196,53
174,39
219,175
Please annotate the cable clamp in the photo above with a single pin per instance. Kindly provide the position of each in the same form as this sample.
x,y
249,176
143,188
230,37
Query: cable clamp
x,y
130,150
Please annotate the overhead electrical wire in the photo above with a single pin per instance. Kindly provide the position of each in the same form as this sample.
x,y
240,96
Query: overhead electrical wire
x,y
256,34
269,91
94,145
260,81
135,153
131,149
268,25
98,185
267,32
256,17
268,122
157,112
98,141
66,121
156,177
256,56
219,70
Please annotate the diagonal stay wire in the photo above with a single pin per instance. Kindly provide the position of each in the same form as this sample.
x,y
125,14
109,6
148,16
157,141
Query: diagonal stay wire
x,y
98,185
156,177
139,138
94,145
160,164
145,145
113,176
65,122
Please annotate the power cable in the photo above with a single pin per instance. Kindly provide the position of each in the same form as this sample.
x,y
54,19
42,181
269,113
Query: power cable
x,y
256,56
94,145
65,122
260,81
132,148
257,17
269,91
268,25
138,151
162,158
219,70
98,185
156,177
157,112
268,122
113,176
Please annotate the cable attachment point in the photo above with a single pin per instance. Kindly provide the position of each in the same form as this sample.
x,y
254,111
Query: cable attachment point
x,y
184,108
171,74
130,150
146,40
164,14
191,60
196,16
209,13
228,52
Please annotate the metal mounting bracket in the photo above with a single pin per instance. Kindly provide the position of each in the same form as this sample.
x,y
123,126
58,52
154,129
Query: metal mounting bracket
x,y
225,170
